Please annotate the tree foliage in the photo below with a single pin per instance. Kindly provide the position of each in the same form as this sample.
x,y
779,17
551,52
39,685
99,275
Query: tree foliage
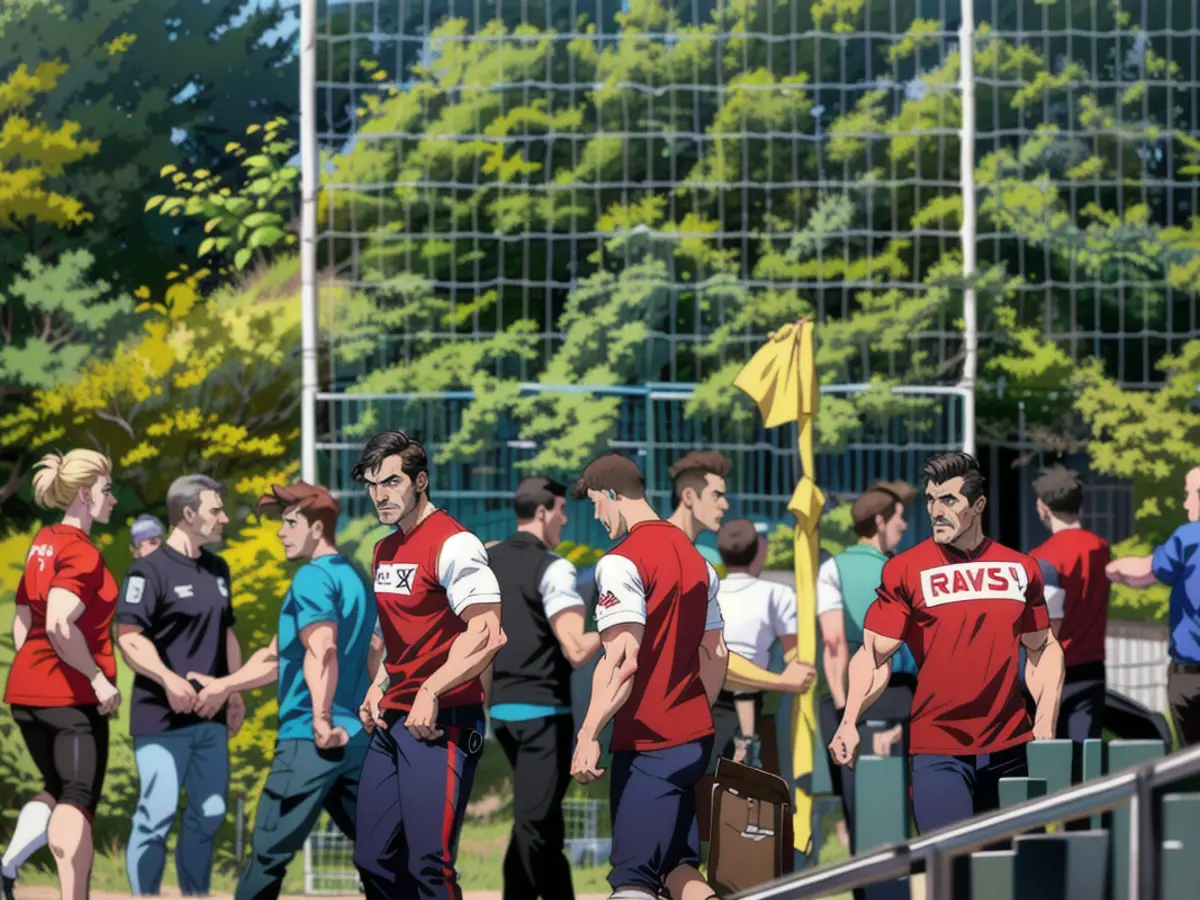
x,y
248,218
33,154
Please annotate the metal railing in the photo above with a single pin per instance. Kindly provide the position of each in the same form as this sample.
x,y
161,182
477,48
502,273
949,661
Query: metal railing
x,y
934,853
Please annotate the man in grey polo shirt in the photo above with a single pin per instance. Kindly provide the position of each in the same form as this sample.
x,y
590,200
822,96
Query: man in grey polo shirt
x,y
175,616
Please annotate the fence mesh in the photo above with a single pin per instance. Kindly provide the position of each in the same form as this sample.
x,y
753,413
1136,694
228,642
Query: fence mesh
x,y
609,194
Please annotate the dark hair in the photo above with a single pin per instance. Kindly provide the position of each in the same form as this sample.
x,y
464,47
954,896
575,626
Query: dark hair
x,y
737,542
941,468
1060,489
692,471
612,472
391,443
536,493
309,500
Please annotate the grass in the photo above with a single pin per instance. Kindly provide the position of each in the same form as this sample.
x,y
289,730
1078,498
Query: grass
x,y
480,855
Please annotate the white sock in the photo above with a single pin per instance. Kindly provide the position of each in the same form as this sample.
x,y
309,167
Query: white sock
x,y
28,838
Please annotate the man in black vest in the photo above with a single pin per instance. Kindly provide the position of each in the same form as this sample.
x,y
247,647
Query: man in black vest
x,y
531,687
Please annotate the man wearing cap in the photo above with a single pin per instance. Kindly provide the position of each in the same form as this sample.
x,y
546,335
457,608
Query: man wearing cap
x,y
846,586
145,536
320,658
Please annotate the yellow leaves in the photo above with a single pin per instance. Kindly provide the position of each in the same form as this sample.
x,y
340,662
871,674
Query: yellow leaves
x,y
120,44
143,452
167,170
21,89
921,33
142,293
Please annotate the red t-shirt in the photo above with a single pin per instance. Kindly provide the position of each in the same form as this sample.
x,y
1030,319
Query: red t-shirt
x,y
64,557
658,579
1079,558
423,581
962,615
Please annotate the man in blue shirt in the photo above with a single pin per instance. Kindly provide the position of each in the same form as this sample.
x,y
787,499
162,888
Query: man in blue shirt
x,y
320,656
1176,563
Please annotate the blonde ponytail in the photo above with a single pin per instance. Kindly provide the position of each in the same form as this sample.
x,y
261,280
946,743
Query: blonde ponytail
x,y
58,479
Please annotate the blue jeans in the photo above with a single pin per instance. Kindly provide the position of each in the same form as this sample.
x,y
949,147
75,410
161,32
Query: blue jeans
x,y
653,809
947,790
195,759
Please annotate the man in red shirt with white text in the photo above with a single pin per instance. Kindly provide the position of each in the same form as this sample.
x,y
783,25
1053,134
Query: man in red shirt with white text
x,y
439,612
663,664
964,605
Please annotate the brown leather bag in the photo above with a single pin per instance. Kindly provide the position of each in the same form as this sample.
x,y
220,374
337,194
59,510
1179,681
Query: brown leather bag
x,y
751,838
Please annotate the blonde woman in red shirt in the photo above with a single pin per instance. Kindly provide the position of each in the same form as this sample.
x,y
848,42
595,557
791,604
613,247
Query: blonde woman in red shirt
x,y
62,685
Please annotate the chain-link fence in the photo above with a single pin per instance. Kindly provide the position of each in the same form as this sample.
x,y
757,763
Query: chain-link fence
x,y
557,192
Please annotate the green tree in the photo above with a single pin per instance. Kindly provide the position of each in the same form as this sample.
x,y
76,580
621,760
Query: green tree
x,y
154,82
252,217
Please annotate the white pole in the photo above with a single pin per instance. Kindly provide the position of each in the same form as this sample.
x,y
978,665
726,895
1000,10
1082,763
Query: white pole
x,y
966,49
308,240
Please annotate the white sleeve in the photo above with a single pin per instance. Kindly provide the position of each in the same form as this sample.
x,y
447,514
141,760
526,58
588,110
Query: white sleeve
x,y
829,588
559,588
783,610
464,572
714,620
621,596
1056,597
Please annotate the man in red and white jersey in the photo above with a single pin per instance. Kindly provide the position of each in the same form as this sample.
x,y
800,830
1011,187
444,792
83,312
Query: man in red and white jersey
x,y
663,665
1073,561
439,614
964,605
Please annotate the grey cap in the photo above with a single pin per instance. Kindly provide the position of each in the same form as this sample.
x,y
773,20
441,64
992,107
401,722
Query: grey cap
x,y
144,528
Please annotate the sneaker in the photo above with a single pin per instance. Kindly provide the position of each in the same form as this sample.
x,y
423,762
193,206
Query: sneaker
x,y
6,887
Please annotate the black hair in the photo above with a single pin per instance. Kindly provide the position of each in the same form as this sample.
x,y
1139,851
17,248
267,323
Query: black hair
x,y
391,443
536,493
941,468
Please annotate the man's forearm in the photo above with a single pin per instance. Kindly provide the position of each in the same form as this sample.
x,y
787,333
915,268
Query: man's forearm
x,y
321,675
471,653
866,683
233,651
1044,673
609,694
741,673
835,663
260,669
712,673
143,658
68,642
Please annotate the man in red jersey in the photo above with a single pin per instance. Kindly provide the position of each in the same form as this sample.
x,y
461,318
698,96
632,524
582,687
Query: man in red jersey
x,y
439,613
964,605
1073,561
663,665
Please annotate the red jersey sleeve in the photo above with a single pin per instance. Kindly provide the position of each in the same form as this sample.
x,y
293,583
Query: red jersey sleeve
x,y
889,615
22,593
1036,617
75,568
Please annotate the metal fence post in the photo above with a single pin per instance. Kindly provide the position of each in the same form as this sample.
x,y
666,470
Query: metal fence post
x,y
239,831
308,866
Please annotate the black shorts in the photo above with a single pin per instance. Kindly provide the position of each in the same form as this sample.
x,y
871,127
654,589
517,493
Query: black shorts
x,y
69,745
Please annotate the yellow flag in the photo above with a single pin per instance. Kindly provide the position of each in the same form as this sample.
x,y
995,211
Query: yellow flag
x,y
782,379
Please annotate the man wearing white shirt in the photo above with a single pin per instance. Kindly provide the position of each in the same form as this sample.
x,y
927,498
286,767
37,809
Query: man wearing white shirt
x,y
531,686
757,613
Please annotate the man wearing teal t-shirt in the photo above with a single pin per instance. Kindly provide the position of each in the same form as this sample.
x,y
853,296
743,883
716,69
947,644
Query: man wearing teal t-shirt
x,y
320,657
846,586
